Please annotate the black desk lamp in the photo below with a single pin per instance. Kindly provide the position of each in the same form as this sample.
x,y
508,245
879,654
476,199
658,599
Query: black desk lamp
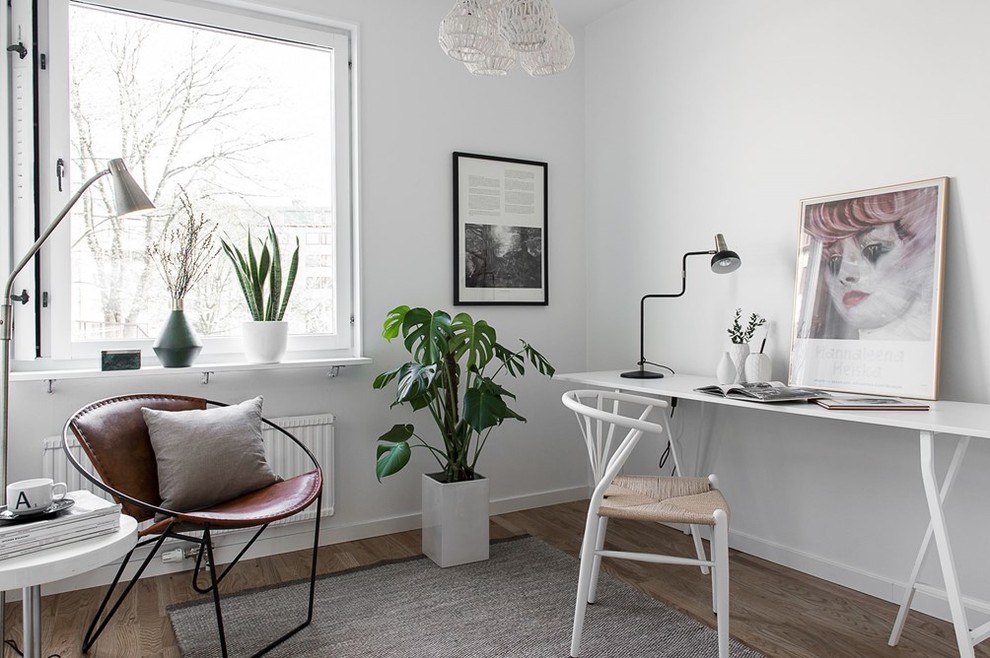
x,y
723,261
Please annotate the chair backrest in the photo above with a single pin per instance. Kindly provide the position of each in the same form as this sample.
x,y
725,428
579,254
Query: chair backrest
x,y
599,414
114,436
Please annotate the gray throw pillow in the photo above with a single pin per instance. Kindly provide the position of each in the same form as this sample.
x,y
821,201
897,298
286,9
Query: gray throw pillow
x,y
208,456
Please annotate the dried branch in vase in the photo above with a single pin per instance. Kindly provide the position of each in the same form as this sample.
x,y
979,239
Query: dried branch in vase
x,y
184,250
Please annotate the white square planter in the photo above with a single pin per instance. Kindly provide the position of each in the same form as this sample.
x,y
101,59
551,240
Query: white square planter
x,y
455,520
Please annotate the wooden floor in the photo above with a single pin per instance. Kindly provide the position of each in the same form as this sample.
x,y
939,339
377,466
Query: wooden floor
x,y
778,611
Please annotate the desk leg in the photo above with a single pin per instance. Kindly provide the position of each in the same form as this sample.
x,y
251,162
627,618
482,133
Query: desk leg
x,y
693,530
949,575
31,615
699,446
947,482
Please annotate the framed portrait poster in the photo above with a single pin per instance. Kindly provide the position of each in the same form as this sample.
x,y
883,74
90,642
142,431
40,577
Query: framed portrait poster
x,y
500,230
868,295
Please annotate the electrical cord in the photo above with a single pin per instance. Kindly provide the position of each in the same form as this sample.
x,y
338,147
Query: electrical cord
x,y
17,650
665,455
644,362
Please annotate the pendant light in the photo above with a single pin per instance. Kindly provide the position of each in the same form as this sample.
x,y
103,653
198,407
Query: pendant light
x,y
468,33
490,36
555,55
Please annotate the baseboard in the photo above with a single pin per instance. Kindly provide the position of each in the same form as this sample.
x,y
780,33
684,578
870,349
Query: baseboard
x,y
860,580
555,497
294,537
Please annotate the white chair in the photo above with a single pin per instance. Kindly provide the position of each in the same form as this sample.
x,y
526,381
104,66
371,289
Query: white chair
x,y
661,499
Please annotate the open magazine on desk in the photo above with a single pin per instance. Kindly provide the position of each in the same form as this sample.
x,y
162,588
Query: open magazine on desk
x,y
764,392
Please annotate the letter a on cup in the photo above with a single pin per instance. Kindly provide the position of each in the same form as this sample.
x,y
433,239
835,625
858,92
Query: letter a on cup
x,y
22,500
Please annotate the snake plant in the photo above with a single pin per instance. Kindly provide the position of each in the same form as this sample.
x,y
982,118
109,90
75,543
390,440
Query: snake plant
x,y
260,275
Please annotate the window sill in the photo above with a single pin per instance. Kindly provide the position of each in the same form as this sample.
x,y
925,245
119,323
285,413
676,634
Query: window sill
x,y
204,370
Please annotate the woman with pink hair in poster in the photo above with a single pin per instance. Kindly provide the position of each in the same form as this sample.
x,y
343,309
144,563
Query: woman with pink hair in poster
x,y
878,265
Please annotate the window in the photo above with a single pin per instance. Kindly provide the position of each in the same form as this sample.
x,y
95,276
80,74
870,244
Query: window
x,y
226,118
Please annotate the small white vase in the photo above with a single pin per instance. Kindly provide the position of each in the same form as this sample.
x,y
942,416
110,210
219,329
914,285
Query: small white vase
x,y
725,372
455,520
738,353
758,367
265,342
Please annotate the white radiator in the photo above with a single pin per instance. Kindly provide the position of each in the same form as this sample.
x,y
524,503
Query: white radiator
x,y
286,459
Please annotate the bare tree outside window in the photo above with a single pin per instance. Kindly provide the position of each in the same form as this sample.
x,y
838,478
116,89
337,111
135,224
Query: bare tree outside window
x,y
240,123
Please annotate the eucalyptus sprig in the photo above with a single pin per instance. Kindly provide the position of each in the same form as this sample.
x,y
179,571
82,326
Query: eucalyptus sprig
x,y
738,334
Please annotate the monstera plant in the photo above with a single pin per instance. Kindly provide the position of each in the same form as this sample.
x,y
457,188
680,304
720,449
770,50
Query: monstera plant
x,y
455,362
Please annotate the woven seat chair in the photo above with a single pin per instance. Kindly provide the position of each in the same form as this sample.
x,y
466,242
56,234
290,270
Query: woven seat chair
x,y
612,424
114,436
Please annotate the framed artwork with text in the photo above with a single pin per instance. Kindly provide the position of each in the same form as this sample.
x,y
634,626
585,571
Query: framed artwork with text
x,y
868,294
500,230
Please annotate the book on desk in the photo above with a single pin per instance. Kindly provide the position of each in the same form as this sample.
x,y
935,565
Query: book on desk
x,y
868,403
89,516
764,392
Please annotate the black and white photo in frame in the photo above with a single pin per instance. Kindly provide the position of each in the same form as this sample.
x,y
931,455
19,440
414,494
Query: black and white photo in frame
x,y
500,230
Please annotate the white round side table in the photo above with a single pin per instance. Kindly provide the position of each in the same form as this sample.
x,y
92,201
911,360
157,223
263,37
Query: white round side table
x,y
29,572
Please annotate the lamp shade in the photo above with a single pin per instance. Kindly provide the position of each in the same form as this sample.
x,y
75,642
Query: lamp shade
x,y
555,55
128,195
468,33
725,260
498,63
526,24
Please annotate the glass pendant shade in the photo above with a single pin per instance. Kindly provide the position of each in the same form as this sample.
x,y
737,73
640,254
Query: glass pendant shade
x,y
526,24
556,55
467,33
498,63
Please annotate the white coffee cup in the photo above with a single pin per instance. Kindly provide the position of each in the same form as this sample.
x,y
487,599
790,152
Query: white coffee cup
x,y
35,495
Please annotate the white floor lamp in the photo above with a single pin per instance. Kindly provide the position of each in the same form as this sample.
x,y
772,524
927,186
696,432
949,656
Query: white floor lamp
x,y
129,199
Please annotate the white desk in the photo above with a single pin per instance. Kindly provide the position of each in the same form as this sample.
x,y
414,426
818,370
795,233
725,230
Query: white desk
x,y
961,420
29,572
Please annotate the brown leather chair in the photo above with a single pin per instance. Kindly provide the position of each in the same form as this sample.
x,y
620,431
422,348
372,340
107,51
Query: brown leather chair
x,y
114,436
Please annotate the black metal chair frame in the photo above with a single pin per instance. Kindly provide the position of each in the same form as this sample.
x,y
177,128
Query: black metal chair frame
x,y
205,543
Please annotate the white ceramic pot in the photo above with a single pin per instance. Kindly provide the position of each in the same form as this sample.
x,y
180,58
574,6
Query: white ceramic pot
x,y
455,520
725,372
264,342
738,353
758,367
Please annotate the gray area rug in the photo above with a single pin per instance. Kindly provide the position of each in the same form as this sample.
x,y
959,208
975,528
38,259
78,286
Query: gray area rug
x,y
519,604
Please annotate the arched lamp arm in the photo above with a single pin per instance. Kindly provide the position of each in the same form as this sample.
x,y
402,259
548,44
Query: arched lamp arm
x,y
36,247
642,303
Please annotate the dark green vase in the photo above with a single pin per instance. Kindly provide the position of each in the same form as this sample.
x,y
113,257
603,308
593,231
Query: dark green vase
x,y
177,345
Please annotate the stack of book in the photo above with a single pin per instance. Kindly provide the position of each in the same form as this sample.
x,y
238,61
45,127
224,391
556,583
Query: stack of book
x,y
89,516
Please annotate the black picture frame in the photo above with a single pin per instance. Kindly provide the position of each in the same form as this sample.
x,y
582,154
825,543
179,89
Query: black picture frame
x,y
500,231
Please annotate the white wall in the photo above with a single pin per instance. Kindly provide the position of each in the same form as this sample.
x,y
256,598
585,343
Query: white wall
x,y
416,107
719,117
